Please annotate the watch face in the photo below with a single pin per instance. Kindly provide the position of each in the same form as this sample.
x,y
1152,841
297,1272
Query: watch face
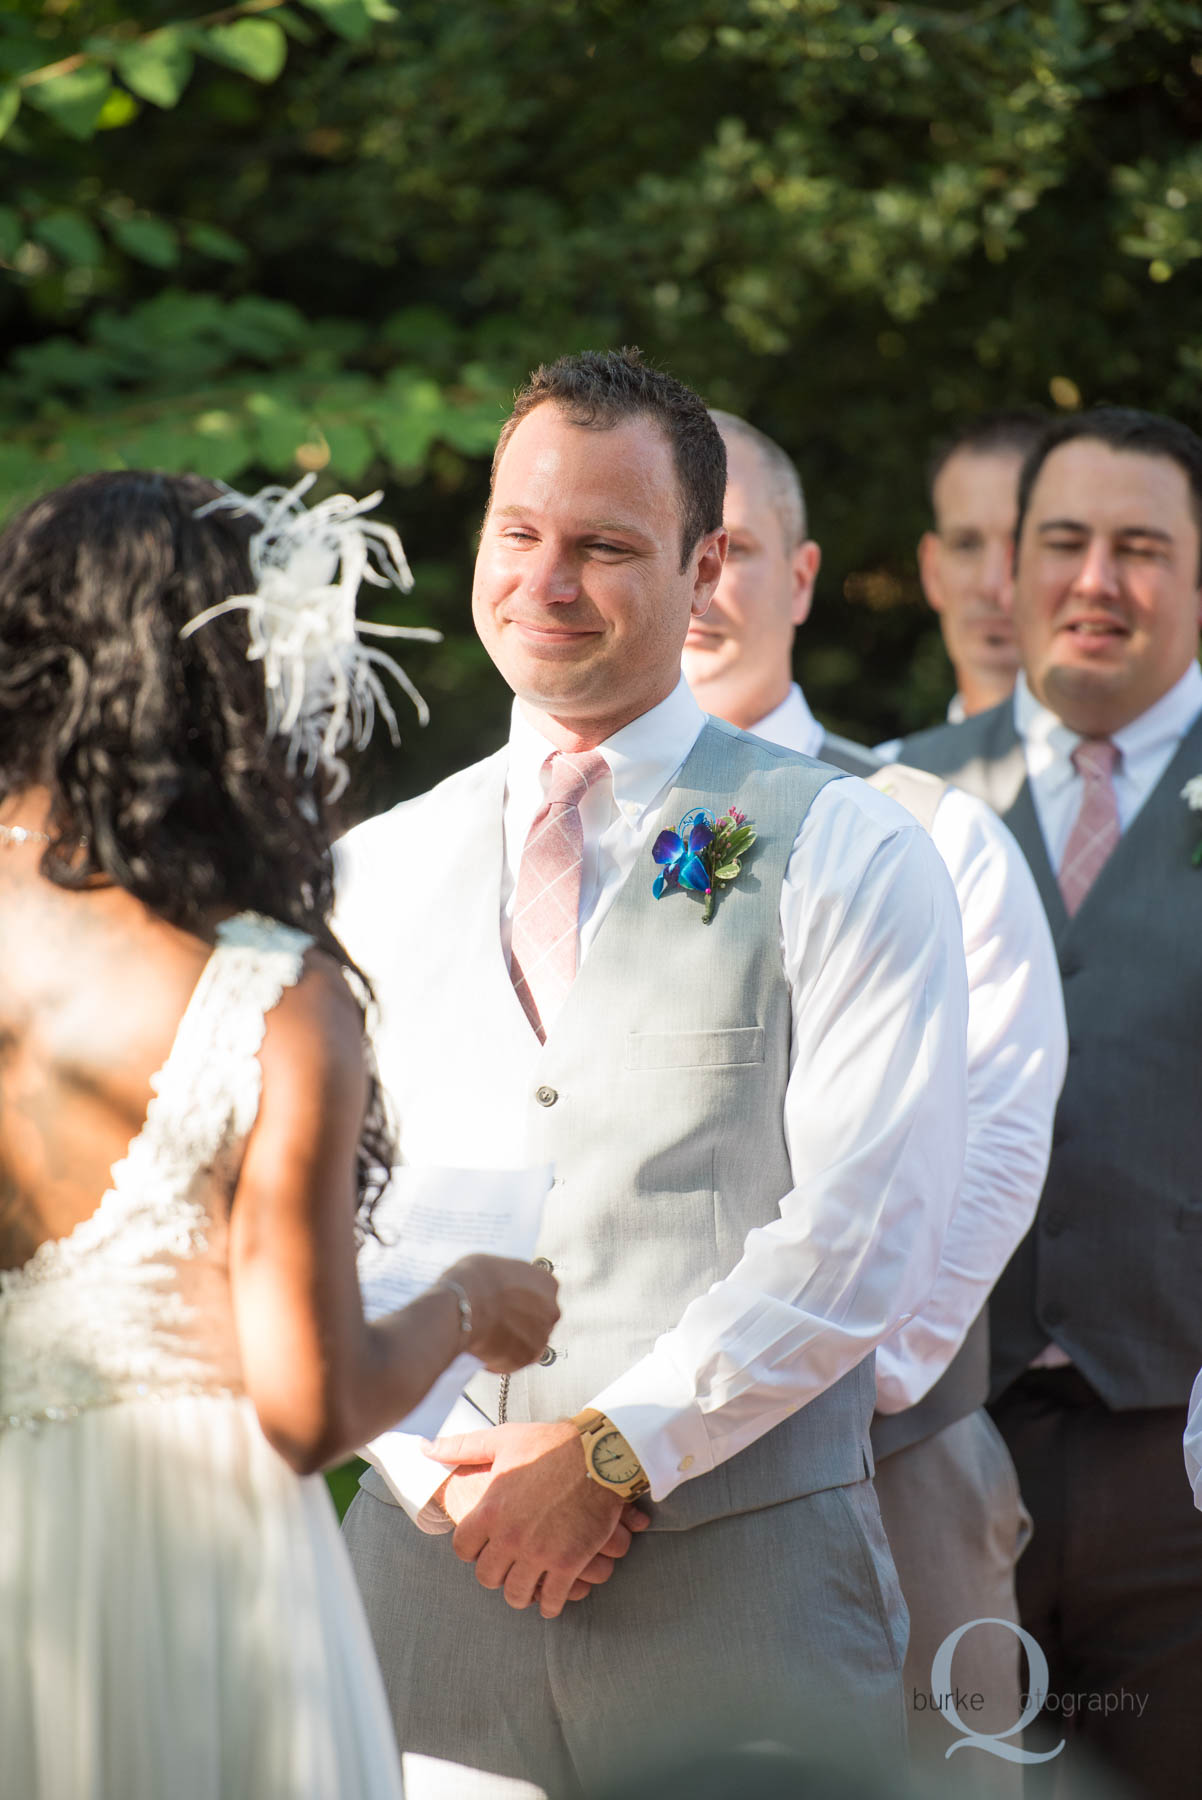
x,y
614,1460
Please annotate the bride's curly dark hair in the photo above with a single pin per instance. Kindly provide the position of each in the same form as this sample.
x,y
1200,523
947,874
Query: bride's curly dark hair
x,y
154,749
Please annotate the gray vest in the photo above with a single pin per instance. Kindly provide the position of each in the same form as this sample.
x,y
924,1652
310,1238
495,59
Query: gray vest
x,y
659,1098
964,1384
1112,1268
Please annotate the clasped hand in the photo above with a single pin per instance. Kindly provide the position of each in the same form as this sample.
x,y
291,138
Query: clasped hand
x,y
528,1516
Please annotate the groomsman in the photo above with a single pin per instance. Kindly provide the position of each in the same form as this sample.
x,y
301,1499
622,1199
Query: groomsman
x,y
964,560
1097,1331
756,1124
945,1481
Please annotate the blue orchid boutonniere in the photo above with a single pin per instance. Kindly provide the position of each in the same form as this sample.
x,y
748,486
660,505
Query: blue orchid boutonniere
x,y
1191,793
701,854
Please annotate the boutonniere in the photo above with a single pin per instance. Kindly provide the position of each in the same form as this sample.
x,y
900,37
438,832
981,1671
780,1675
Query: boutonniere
x,y
701,854
1191,793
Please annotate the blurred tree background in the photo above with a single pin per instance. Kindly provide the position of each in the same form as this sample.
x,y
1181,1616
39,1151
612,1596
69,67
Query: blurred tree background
x,y
333,235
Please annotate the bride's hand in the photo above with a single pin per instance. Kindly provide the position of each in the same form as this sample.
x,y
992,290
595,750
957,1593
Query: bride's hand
x,y
513,1309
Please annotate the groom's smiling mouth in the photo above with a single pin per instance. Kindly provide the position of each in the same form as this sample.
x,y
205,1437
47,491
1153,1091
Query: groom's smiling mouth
x,y
543,636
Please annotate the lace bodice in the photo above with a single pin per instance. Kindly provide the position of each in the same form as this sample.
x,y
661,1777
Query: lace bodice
x,y
135,1301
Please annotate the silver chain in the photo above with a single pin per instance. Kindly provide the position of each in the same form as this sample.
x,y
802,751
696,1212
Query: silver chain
x,y
503,1401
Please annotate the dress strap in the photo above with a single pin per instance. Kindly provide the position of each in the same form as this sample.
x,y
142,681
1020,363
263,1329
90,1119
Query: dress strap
x,y
208,1089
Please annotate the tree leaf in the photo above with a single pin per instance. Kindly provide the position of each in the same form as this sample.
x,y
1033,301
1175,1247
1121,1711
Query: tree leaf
x,y
297,28
72,238
349,18
255,47
151,241
351,449
119,110
73,101
209,240
280,429
727,872
156,68
12,232
10,105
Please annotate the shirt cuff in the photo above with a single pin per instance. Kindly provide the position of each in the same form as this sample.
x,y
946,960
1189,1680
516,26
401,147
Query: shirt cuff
x,y
413,1478
656,1411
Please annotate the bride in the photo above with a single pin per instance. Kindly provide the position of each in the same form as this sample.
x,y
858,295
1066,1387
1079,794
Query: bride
x,y
188,1123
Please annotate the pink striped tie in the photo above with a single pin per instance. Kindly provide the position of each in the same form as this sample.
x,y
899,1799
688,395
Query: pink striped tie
x,y
547,903
1096,831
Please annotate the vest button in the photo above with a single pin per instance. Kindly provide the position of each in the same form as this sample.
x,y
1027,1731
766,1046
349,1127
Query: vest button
x,y
546,1096
547,1358
1054,1224
544,1262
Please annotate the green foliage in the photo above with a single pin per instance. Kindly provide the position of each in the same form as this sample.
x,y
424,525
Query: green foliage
x,y
853,223
158,67
255,47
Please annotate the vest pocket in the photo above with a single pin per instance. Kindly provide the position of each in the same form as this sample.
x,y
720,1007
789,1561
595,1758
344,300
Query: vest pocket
x,y
694,1049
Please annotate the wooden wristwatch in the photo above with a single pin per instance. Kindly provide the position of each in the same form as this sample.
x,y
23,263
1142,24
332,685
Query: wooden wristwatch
x,y
608,1458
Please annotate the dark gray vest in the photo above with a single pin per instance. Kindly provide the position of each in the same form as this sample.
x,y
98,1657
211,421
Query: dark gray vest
x,y
1112,1268
964,1384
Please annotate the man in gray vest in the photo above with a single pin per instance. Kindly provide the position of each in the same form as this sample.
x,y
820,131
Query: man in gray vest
x,y
945,1481
1096,1325
754,1102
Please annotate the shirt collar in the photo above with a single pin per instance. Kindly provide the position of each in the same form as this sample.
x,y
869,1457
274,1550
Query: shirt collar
x,y
791,724
643,756
1048,740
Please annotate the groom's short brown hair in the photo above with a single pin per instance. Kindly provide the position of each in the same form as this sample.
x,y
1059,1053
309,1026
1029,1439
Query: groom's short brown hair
x,y
598,389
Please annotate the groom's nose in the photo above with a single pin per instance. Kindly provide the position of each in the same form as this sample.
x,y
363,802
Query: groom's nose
x,y
551,574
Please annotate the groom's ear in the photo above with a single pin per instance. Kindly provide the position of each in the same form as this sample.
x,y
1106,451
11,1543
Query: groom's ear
x,y
707,560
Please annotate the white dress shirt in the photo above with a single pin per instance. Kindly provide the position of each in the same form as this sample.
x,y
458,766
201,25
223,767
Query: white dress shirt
x,y
1146,747
1017,1050
1192,1442
874,1108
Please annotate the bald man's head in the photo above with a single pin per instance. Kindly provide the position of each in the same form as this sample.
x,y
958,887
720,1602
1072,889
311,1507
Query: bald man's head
x,y
738,655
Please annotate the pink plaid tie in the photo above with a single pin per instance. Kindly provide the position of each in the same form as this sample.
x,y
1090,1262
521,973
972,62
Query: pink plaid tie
x,y
547,903
1096,830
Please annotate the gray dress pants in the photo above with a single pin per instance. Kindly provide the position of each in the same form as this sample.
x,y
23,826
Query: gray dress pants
x,y
786,1624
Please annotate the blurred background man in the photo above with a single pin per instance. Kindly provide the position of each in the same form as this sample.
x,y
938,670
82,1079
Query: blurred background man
x,y
946,1484
964,561
1097,1331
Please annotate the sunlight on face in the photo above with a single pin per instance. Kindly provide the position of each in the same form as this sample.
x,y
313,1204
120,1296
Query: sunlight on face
x,y
1107,599
579,597
737,657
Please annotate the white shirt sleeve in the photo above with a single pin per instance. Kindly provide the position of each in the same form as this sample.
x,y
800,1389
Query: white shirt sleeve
x,y
874,1117
1017,1049
1192,1442
412,1477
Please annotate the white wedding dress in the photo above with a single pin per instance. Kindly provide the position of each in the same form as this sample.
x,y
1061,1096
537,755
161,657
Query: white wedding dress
x,y
178,1619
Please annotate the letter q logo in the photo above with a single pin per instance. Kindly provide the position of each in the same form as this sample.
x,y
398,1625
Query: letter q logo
x,y
994,1742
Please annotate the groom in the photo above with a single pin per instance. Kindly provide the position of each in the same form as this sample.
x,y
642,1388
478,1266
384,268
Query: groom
x,y
757,1127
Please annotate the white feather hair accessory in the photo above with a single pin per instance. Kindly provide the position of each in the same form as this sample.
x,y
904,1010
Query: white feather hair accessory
x,y
323,683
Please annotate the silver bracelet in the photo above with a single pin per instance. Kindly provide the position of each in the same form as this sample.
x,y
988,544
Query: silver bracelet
x,y
464,1304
